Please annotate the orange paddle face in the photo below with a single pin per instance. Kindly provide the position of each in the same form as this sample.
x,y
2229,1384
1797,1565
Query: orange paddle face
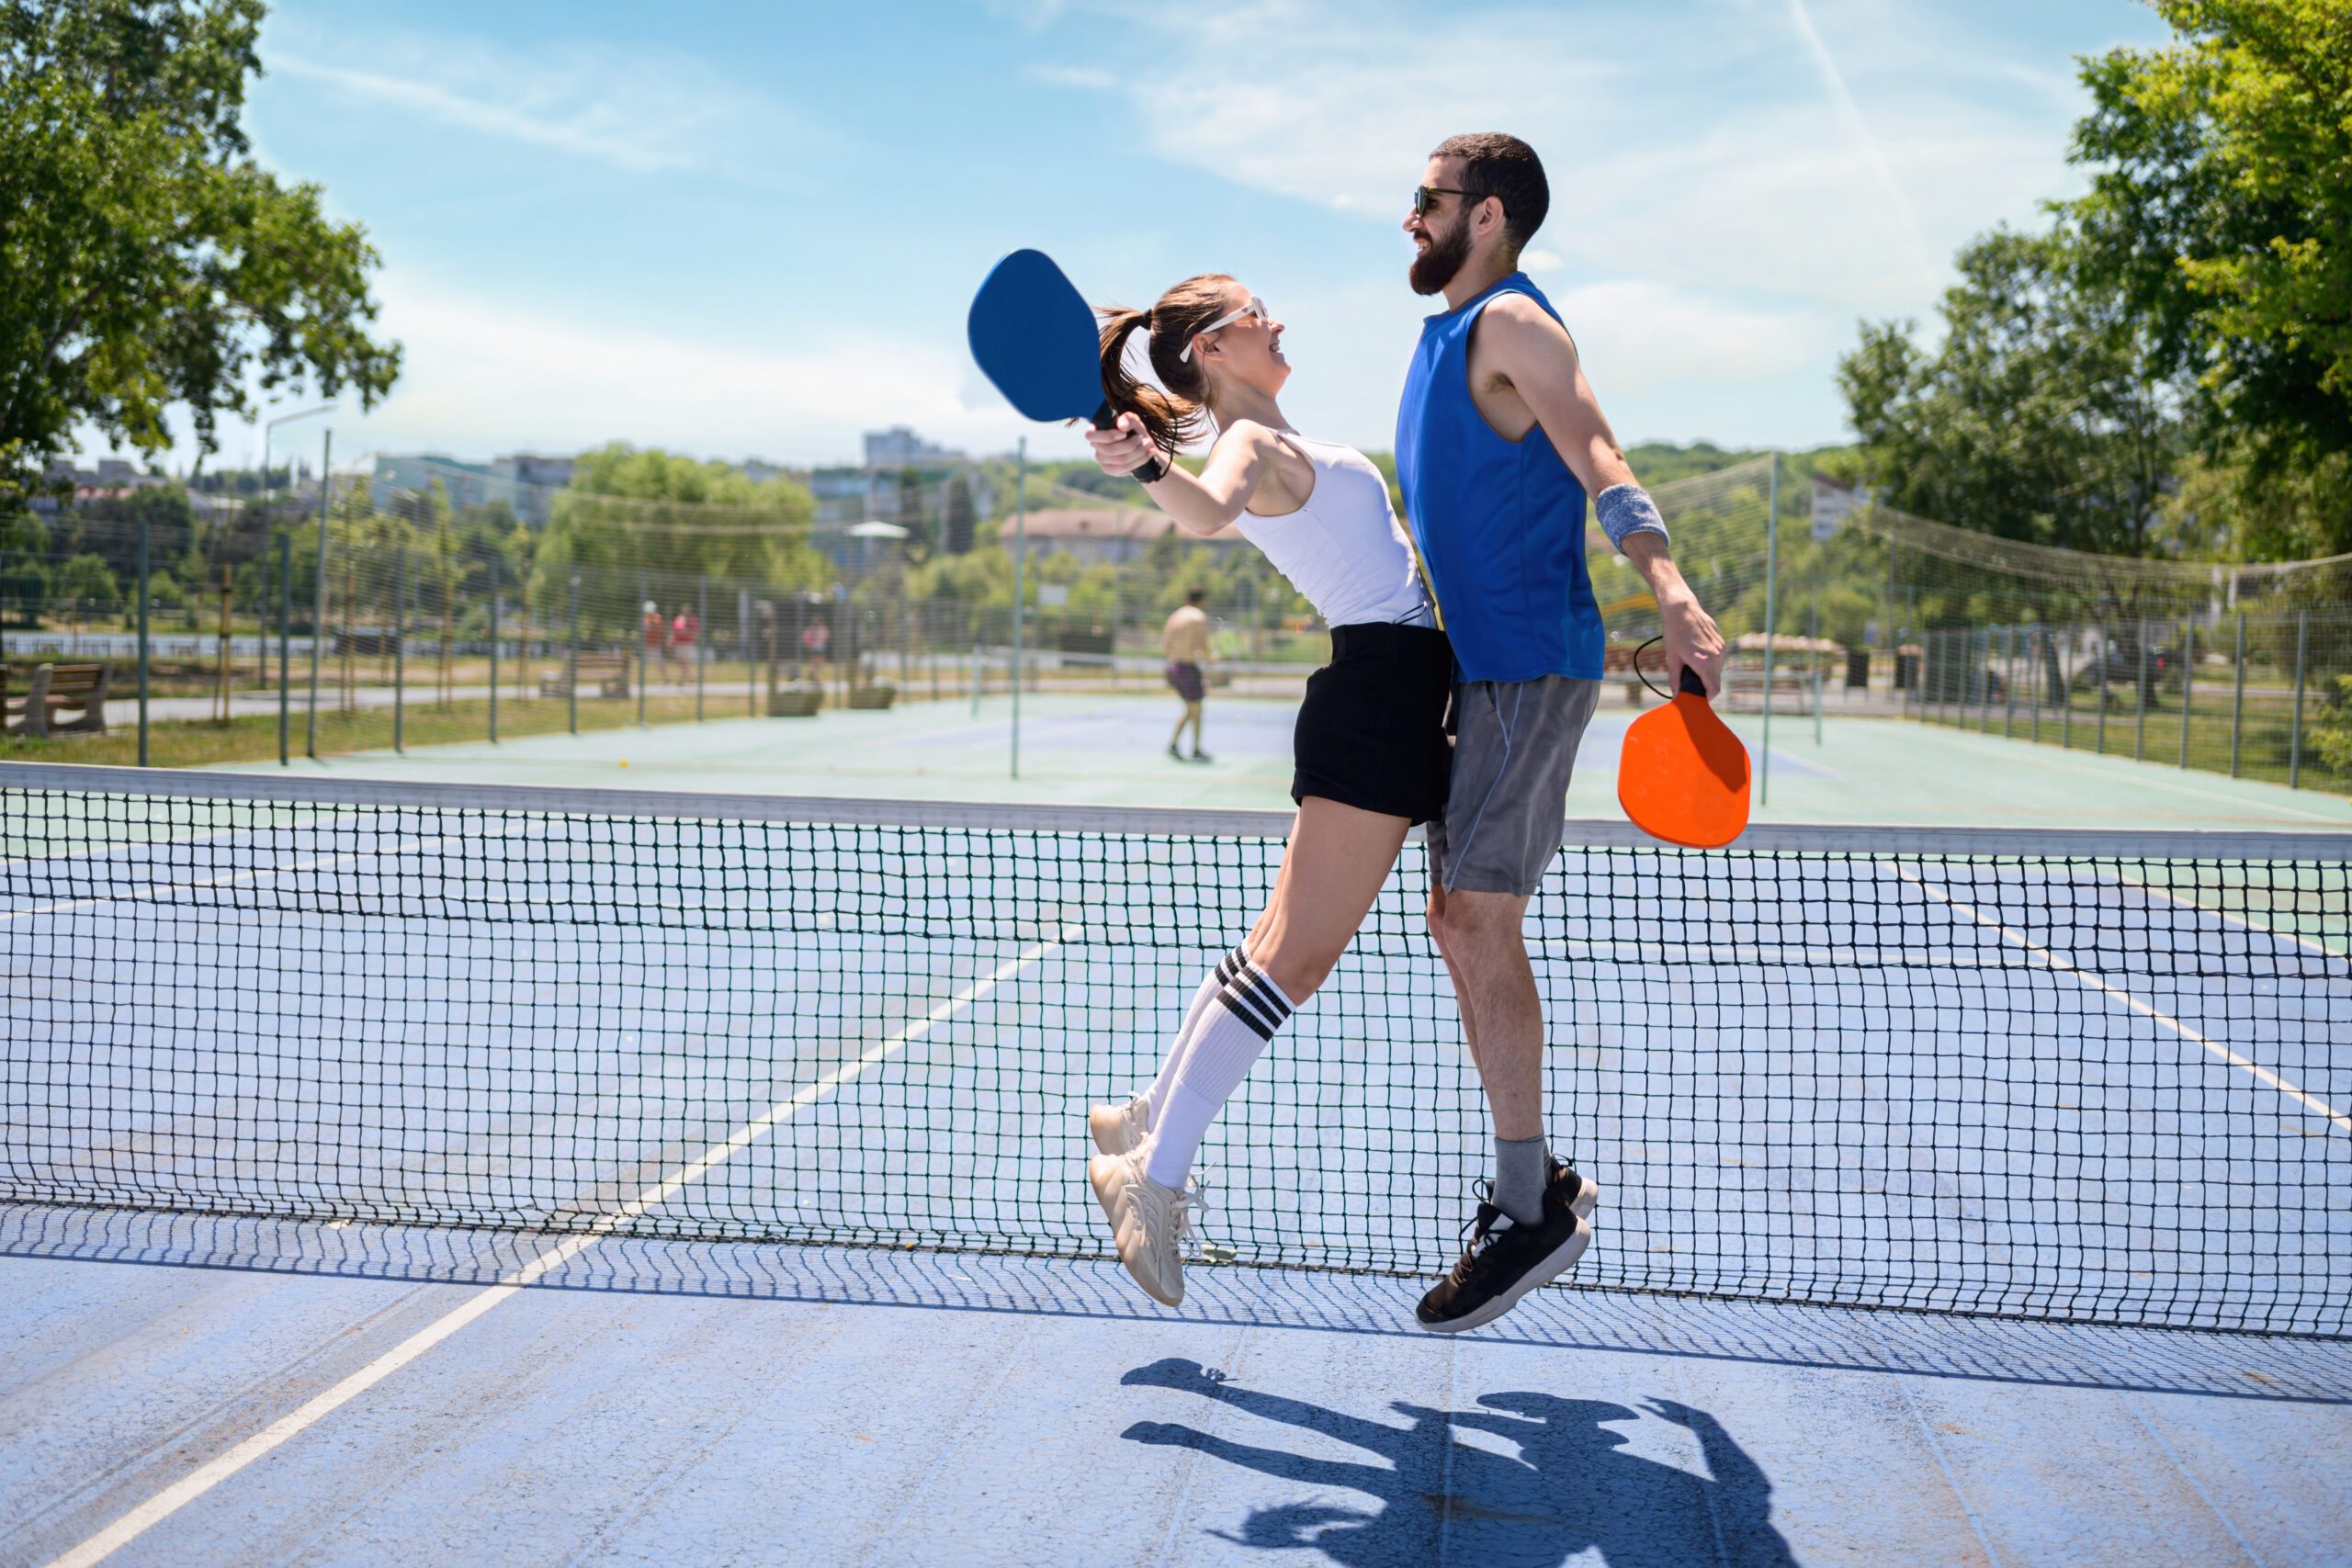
x,y
1683,775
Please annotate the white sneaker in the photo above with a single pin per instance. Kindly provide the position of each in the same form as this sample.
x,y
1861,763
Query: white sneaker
x,y
1119,1128
1149,1223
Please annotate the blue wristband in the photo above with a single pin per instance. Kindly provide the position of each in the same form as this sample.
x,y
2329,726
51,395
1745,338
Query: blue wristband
x,y
1626,509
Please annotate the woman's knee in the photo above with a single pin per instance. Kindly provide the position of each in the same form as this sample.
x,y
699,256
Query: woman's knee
x,y
1298,968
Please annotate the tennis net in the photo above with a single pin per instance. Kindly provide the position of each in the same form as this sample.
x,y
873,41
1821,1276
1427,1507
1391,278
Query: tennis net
x,y
2093,1077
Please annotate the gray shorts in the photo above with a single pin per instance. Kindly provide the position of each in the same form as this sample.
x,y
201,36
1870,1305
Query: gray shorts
x,y
1515,745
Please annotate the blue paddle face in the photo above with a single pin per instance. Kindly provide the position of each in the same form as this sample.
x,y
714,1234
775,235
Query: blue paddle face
x,y
1035,338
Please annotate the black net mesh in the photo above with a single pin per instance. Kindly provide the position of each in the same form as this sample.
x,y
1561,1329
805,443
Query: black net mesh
x,y
2107,1081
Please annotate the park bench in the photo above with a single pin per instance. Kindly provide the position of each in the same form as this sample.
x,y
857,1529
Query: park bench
x,y
57,689
604,673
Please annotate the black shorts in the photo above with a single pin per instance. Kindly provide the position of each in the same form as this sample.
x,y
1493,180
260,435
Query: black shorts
x,y
1372,731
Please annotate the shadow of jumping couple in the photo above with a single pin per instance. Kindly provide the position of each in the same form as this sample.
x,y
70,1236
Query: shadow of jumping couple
x,y
1571,1487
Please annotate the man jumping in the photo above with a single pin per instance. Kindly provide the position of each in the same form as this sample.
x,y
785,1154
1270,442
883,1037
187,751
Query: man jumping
x,y
1498,440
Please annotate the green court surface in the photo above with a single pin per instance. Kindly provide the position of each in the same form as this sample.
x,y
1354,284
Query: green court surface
x,y
1112,750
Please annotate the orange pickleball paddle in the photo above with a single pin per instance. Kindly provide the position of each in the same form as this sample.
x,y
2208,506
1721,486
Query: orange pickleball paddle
x,y
1683,775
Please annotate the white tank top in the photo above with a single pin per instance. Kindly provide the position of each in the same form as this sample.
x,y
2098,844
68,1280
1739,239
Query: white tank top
x,y
1344,549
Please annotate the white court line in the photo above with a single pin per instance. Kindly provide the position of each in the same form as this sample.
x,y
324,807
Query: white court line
x,y
186,1490
2261,1073
2108,776
2170,896
160,890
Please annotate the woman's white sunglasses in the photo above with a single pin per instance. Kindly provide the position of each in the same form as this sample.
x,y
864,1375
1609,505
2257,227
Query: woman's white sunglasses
x,y
1256,307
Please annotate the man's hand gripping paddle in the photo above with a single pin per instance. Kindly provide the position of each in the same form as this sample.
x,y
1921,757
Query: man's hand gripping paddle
x,y
1683,775
1035,339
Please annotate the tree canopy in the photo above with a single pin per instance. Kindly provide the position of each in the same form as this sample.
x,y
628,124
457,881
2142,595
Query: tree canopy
x,y
146,260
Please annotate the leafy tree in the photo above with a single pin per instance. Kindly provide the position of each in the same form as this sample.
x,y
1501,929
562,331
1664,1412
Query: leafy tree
x,y
672,518
910,517
146,259
87,579
2221,212
2041,416
962,516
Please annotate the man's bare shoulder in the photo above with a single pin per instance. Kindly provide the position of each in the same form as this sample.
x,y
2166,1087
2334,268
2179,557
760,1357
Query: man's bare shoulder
x,y
1519,321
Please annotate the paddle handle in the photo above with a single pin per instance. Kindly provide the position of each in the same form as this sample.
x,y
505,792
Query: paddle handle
x,y
1153,468
1692,684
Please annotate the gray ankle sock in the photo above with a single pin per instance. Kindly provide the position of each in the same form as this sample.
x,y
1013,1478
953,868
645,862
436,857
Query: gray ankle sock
x,y
1521,1169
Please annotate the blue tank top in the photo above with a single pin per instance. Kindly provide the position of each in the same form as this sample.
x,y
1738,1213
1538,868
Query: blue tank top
x,y
1499,524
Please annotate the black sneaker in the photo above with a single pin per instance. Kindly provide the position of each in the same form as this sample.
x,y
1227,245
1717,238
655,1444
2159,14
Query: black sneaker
x,y
1505,1259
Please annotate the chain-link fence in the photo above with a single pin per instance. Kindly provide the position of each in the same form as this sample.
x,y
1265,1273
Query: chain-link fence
x,y
2259,695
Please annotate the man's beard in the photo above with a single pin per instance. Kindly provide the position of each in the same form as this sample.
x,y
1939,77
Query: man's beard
x,y
1435,267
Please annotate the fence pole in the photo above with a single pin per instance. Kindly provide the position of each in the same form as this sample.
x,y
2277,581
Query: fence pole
x,y
1020,553
493,649
142,641
1771,600
571,660
2140,721
285,642
400,647
2106,653
318,604
2187,683
2295,733
2237,700
2009,681
702,620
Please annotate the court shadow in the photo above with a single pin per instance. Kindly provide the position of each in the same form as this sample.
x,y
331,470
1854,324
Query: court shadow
x,y
1540,1480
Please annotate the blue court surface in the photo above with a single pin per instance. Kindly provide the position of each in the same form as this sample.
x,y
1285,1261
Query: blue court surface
x,y
735,1084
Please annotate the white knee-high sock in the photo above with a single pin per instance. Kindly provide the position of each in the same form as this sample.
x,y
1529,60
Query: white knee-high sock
x,y
1234,1029
1173,1062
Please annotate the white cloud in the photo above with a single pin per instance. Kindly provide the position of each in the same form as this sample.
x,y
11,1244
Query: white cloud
x,y
1637,337
1726,152
475,365
641,111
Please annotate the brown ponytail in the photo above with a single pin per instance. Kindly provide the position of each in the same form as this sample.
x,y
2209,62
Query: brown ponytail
x,y
1173,412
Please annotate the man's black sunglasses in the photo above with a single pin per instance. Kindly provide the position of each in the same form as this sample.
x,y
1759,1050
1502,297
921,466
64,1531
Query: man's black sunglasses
x,y
1425,197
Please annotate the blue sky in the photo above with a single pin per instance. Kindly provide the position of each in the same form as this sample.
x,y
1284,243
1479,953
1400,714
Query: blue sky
x,y
735,229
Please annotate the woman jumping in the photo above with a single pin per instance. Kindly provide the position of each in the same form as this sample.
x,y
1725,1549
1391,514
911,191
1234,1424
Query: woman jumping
x,y
1370,746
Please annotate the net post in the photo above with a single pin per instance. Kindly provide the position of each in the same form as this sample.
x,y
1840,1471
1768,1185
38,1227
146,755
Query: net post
x,y
2187,681
1772,601
399,647
702,620
2237,700
285,643
571,659
143,530
2295,732
2140,718
493,649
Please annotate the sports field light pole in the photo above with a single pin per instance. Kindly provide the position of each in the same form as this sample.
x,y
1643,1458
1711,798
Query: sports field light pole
x,y
1020,553
319,595
270,424
1772,584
